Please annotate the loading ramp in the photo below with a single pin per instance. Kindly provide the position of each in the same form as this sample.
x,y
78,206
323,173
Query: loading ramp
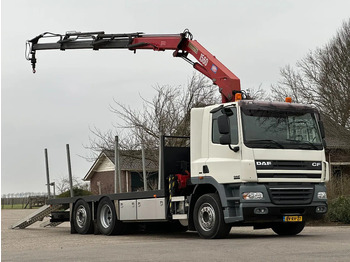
x,y
38,215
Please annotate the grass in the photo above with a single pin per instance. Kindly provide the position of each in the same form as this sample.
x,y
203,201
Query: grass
x,y
14,206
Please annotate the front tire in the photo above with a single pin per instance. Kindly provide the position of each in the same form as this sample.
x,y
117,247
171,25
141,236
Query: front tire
x,y
107,221
209,218
288,229
82,218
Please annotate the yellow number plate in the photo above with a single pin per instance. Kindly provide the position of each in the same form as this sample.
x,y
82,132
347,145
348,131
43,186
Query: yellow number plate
x,y
292,218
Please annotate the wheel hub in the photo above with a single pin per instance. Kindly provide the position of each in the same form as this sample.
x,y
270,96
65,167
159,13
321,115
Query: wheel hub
x,y
206,216
106,216
81,216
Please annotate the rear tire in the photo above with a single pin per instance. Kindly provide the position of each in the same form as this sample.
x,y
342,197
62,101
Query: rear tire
x,y
209,218
82,218
288,229
107,221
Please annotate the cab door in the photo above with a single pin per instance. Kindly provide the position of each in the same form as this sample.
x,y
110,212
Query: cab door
x,y
223,163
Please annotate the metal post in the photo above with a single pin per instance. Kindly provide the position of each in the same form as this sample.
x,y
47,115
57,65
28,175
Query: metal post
x,y
160,165
115,165
53,184
47,173
70,172
117,178
144,168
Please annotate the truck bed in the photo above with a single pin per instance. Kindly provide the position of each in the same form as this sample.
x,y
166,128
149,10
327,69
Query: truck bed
x,y
117,196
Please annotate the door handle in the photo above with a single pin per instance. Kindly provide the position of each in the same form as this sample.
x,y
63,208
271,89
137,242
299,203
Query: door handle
x,y
205,169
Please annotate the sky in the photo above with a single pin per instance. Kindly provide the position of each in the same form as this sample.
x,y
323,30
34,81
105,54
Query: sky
x,y
73,90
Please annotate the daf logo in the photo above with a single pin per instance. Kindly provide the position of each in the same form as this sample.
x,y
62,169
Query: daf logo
x,y
316,164
263,163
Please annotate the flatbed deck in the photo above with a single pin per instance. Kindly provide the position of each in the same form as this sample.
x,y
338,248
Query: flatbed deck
x,y
116,196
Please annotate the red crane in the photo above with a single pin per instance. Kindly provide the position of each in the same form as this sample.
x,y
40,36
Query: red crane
x,y
182,44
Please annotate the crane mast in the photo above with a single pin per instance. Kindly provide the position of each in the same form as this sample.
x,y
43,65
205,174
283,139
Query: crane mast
x,y
182,44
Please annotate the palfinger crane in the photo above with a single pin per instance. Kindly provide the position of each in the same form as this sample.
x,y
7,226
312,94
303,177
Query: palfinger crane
x,y
182,44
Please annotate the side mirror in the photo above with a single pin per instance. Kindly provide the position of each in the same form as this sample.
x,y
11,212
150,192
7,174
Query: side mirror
x,y
224,130
223,124
320,123
225,139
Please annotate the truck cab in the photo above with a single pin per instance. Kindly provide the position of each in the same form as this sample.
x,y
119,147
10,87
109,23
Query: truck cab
x,y
265,160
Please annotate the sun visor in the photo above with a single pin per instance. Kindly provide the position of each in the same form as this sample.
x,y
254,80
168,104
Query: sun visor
x,y
248,106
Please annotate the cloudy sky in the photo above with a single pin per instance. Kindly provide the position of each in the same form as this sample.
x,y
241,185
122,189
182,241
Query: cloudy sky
x,y
72,90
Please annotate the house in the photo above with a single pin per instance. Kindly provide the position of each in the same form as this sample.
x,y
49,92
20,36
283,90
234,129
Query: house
x,y
101,174
338,148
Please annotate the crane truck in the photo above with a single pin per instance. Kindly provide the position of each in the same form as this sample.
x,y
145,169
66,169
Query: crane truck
x,y
248,163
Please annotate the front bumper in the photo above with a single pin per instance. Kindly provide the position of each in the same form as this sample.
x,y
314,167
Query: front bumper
x,y
275,213
278,201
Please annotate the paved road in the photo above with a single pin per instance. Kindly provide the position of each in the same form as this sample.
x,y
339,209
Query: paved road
x,y
243,244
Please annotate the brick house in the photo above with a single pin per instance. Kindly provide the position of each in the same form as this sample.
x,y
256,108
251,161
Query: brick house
x,y
101,174
338,148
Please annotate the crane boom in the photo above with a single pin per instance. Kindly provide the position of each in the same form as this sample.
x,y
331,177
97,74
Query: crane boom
x,y
182,44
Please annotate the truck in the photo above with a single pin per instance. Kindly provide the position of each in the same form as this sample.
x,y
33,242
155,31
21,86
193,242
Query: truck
x,y
246,162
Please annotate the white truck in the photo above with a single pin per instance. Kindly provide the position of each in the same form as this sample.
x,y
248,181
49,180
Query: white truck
x,y
248,163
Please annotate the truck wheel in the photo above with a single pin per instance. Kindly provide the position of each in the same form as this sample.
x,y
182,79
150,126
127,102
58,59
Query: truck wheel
x,y
209,218
107,221
82,219
288,229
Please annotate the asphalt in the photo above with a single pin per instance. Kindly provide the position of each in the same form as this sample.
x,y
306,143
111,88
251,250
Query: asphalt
x,y
326,243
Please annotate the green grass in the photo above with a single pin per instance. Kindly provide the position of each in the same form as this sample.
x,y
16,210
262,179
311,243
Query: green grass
x,y
15,206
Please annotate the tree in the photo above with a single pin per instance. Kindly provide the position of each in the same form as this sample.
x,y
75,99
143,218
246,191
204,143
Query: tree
x,y
258,93
167,113
322,79
63,185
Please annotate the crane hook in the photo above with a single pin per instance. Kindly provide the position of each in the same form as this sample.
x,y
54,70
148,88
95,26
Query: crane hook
x,y
33,62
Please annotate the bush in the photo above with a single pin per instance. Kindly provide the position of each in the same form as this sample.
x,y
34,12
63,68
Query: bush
x,y
76,191
339,210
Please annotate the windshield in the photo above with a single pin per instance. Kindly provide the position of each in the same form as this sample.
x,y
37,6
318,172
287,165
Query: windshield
x,y
281,129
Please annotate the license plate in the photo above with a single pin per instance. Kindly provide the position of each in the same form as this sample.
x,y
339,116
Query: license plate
x,y
292,218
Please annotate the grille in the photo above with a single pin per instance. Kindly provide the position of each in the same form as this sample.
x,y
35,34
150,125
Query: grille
x,y
291,195
284,175
288,165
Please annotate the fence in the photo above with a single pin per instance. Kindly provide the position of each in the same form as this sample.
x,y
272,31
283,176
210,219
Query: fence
x,y
23,202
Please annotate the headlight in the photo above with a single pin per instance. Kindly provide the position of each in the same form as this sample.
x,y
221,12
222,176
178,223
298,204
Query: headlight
x,y
322,195
253,196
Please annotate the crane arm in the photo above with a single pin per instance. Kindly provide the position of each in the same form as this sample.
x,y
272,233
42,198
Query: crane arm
x,y
182,44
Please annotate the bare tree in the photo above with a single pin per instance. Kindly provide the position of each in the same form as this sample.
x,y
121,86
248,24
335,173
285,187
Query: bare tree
x,y
258,93
322,78
63,184
167,113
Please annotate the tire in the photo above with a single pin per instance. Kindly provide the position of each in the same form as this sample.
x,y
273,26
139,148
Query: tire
x,y
107,221
288,229
209,218
82,218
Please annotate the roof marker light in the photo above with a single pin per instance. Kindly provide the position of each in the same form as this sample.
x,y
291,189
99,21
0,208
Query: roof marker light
x,y
238,96
288,99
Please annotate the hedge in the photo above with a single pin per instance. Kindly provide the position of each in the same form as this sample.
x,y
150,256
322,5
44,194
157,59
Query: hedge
x,y
339,210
